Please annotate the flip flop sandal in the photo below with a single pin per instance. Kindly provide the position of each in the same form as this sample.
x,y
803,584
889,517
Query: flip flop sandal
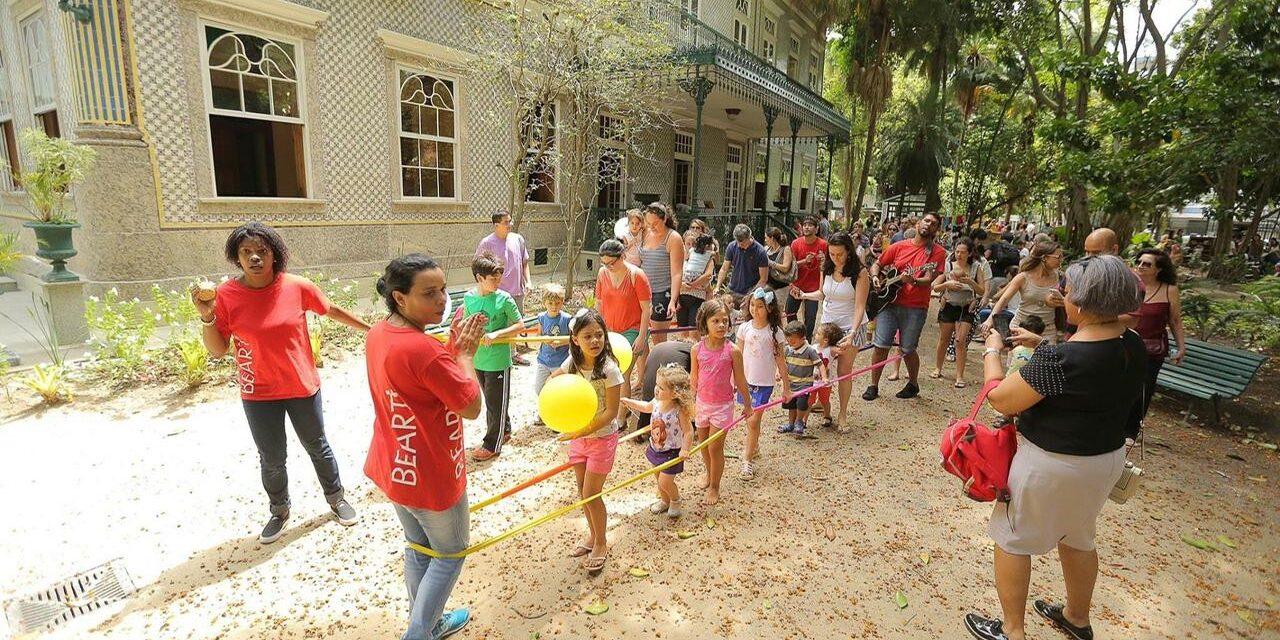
x,y
595,564
960,384
935,374
579,551
827,424
893,377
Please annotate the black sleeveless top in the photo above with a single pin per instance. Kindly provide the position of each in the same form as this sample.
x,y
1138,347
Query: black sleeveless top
x,y
1090,390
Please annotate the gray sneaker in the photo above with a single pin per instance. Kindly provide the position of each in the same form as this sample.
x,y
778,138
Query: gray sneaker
x,y
345,513
273,530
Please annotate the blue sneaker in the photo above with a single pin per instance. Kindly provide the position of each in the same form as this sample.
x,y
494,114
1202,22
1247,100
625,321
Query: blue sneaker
x,y
799,429
451,622
787,428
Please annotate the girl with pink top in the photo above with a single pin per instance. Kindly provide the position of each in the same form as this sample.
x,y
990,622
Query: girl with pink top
x,y
716,368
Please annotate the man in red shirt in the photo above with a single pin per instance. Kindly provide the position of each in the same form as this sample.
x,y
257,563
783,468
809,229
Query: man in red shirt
x,y
905,317
808,251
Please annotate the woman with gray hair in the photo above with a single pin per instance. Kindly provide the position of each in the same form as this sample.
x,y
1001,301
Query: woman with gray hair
x,y
1074,403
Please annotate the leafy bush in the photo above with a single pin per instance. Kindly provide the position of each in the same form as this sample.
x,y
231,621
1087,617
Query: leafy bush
x,y
1139,241
342,293
1229,268
194,358
122,330
9,254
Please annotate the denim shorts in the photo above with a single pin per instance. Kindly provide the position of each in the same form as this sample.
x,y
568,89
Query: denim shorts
x,y
759,395
904,322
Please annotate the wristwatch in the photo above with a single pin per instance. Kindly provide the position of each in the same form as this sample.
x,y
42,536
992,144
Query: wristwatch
x,y
989,350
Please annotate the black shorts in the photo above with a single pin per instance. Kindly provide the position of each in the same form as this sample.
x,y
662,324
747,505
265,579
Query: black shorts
x,y
661,305
952,313
799,403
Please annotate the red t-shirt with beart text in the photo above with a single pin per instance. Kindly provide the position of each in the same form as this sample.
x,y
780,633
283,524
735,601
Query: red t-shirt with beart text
x,y
417,455
272,347
809,276
905,254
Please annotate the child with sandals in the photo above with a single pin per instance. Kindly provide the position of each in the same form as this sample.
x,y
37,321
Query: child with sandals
x,y
715,370
671,433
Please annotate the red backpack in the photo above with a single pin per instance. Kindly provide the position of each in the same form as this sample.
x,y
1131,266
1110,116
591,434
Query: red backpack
x,y
979,455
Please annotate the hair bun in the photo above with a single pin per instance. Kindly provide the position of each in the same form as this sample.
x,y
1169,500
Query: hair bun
x,y
381,285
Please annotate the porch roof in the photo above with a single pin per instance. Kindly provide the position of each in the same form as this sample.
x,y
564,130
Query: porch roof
x,y
742,75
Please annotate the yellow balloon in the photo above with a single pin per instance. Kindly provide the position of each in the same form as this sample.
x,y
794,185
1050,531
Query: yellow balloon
x,y
567,403
621,350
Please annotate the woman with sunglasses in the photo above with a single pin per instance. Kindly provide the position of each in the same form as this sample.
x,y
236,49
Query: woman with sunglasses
x,y
1161,310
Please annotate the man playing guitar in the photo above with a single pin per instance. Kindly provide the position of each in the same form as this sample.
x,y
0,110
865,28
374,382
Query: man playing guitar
x,y
906,315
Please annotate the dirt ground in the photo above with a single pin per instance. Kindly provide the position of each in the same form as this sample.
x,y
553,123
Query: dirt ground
x,y
817,546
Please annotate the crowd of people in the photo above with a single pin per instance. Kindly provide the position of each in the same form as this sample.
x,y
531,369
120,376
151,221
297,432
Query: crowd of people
x,y
717,331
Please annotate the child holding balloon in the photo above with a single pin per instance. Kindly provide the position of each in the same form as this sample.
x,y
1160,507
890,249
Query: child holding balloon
x,y
593,447
715,369
762,345
671,435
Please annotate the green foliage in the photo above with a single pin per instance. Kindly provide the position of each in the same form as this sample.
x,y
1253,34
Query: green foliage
x,y
1228,268
57,164
194,358
9,254
1138,242
122,330
49,382
344,294
1199,311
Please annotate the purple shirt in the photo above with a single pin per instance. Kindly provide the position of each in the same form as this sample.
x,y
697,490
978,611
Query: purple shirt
x,y
514,255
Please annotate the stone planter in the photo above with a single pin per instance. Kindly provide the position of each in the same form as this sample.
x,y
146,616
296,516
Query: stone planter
x,y
54,243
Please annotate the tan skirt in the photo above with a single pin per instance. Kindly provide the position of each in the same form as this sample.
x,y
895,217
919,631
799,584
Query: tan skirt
x,y
1056,498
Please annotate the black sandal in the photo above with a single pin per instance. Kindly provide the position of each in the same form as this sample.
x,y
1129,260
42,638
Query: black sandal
x,y
1053,613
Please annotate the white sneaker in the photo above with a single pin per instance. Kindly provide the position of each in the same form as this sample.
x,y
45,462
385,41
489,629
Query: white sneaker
x,y
657,507
674,510
748,471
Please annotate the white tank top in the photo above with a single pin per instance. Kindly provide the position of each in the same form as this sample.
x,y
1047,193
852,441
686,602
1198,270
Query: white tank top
x,y
838,302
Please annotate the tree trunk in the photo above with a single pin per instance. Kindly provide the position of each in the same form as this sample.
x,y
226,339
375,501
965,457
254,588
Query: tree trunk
x,y
1228,182
873,116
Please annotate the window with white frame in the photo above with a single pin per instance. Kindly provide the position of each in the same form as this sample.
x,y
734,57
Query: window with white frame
x,y
770,26
744,7
813,71
8,143
740,33
539,135
256,128
732,179
428,136
690,6
39,60
793,59
759,197
806,183
682,177
769,52
784,186
612,165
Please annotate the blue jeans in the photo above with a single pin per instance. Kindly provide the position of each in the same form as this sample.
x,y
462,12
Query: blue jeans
x,y
445,531
905,323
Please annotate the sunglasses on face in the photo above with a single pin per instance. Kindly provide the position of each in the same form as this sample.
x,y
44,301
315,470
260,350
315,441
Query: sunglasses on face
x,y
1142,264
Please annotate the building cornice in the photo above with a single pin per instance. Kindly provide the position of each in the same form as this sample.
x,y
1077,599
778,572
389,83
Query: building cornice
x,y
282,10
399,42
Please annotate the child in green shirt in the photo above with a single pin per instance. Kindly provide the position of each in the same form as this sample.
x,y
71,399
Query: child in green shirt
x,y
493,361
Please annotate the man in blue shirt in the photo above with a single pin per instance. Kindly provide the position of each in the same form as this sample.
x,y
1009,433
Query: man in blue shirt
x,y
750,261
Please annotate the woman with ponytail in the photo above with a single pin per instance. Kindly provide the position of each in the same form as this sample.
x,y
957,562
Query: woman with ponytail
x,y
422,390
1037,282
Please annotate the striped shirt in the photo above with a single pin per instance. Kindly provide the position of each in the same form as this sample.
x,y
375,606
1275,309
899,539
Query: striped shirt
x,y
801,363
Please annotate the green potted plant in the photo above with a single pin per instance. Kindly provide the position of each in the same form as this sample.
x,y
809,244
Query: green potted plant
x,y
58,164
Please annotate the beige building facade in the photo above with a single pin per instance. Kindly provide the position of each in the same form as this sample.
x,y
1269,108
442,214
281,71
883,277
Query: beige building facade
x,y
356,128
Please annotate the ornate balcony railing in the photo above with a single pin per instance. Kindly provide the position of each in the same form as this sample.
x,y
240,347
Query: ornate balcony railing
x,y
699,44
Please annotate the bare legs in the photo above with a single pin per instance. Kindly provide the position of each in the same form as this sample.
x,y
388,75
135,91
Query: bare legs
x,y
945,331
713,460
589,484
844,365
962,348
1013,580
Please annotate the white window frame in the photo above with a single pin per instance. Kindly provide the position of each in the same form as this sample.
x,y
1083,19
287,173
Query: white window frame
x,y
769,51
29,63
6,117
814,76
693,145
692,7
456,140
733,180
619,146
299,65
743,7
785,179
554,152
743,39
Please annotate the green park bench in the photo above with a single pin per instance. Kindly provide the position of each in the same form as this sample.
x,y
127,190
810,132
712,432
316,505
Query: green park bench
x,y
1211,372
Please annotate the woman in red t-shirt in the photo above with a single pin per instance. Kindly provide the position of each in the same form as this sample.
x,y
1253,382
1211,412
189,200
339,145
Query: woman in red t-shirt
x,y
265,310
422,390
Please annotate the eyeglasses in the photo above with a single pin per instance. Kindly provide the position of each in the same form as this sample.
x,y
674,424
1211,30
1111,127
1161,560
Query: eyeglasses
x,y
1143,264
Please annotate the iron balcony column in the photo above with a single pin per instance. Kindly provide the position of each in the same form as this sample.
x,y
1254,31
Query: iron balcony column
x,y
699,87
